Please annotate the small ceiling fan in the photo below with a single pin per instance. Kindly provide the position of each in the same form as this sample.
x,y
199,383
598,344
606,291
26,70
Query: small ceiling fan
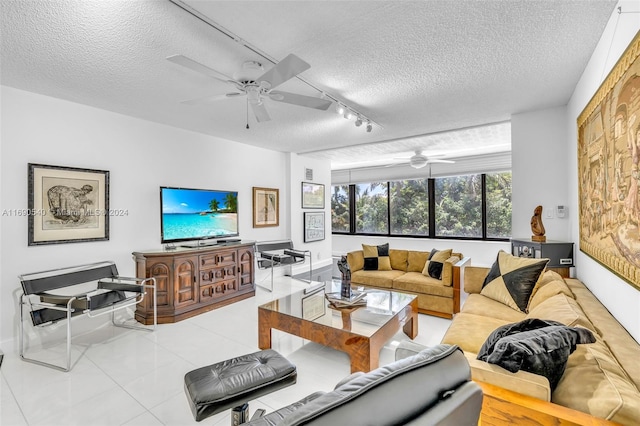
x,y
418,160
257,89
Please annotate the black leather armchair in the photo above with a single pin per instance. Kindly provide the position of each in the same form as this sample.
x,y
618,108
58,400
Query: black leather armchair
x,y
432,387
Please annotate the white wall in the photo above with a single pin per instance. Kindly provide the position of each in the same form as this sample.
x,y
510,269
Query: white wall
x,y
539,171
622,300
320,250
141,156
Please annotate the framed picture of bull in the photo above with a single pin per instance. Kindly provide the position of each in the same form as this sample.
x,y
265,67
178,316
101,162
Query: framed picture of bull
x,y
67,205
609,170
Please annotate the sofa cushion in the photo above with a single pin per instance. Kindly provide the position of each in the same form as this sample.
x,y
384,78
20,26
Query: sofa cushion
x,y
435,263
546,277
594,383
480,305
563,309
511,279
521,381
549,289
398,259
533,345
623,346
416,260
447,271
383,279
470,331
376,258
415,282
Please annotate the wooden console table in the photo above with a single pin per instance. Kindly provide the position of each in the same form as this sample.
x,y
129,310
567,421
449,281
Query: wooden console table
x,y
191,281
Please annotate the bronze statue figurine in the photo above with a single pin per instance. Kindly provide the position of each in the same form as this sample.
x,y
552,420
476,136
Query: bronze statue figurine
x,y
537,227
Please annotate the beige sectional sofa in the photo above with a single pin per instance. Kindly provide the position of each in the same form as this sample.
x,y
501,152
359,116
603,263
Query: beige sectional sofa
x,y
439,297
601,379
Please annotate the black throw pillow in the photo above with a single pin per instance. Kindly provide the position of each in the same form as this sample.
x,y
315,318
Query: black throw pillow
x,y
543,351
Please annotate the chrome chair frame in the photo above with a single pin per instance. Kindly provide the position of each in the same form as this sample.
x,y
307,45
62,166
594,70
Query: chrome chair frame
x,y
69,304
268,256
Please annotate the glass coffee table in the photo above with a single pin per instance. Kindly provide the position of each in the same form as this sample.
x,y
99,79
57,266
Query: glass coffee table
x,y
359,331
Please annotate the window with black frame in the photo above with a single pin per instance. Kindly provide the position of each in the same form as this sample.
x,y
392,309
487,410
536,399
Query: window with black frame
x,y
340,206
409,207
475,206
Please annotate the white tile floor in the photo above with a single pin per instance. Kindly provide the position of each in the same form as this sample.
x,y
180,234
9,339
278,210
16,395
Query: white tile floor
x,y
128,377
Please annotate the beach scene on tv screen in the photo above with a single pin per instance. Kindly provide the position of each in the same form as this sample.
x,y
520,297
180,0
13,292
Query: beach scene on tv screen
x,y
198,214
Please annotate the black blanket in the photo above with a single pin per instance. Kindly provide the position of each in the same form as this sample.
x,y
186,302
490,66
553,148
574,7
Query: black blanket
x,y
534,345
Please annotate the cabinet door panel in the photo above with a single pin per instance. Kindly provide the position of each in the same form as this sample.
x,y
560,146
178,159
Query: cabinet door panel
x,y
161,271
185,281
245,263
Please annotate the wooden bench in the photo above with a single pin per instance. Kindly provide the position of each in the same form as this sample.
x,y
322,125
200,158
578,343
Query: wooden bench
x,y
92,290
271,254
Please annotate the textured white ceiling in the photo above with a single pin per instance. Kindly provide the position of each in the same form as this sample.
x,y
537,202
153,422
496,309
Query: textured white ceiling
x,y
414,67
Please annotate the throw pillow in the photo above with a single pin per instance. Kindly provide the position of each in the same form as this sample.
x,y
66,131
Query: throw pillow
x,y
511,280
547,291
435,263
545,278
376,258
543,351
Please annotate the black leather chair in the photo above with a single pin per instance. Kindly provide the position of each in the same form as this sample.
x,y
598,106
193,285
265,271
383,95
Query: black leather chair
x,y
432,387
272,254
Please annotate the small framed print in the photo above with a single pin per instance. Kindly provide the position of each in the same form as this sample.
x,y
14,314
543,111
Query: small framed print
x,y
312,195
67,205
313,226
266,206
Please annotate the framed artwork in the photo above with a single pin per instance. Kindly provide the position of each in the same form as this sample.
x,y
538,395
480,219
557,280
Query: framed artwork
x,y
312,195
609,170
67,205
313,226
266,207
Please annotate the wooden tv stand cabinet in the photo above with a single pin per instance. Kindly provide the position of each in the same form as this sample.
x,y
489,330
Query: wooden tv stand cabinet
x,y
191,281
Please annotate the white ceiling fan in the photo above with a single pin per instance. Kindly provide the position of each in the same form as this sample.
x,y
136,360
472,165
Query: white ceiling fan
x,y
259,88
418,160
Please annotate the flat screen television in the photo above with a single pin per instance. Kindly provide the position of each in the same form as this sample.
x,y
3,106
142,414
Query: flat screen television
x,y
197,214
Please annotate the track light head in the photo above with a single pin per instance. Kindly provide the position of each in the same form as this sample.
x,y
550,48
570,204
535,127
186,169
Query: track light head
x,y
348,115
359,122
339,109
369,127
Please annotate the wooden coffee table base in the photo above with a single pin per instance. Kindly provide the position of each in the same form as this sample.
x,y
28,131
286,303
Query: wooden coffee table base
x,y
364,351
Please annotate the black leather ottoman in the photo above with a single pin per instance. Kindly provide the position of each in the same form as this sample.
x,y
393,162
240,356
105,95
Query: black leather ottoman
x,y
229,383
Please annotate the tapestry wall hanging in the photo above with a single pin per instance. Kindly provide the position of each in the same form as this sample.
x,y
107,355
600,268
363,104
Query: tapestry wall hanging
x,y
608,169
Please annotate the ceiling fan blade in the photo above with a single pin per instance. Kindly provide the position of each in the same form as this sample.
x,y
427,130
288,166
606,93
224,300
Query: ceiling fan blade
x,y
260,112
440,161
301,100
287,68
208,99
199,68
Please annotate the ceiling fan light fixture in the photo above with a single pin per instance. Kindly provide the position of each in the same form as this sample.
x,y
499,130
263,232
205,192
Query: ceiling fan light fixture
x,y
418,161
253,96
